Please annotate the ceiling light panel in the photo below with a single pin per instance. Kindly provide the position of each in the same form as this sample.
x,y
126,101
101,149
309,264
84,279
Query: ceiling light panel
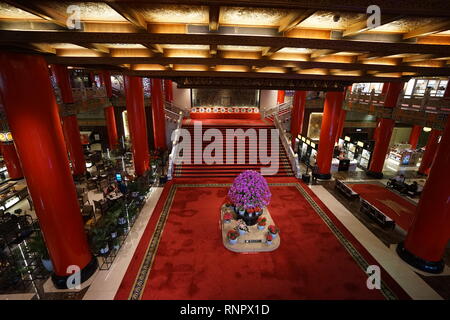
x,y
175,14
251,16
10,12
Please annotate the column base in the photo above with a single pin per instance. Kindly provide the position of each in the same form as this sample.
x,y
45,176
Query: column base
x,y
323,176
376,175
434,267
60,282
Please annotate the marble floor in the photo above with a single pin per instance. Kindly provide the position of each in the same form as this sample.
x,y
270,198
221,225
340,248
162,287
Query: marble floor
x,y
381,243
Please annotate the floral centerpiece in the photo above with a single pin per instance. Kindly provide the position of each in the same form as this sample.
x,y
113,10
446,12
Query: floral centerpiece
x,y
249,194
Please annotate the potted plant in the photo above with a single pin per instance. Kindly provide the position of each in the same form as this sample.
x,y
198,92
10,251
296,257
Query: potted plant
x,y
227,217
37,246
99,237
262,223
269,238
116,244
273,230
249,190
233,236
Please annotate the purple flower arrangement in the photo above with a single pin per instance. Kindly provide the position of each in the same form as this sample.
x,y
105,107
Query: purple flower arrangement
x,y
249,191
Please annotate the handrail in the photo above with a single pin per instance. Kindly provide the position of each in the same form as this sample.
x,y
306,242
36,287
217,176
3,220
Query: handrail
x,y
174,152
175,108
276,109
293,157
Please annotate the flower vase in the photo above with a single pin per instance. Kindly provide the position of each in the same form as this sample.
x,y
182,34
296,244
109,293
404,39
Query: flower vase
x,y
241,212
233,241
261,227
226,221
242,232
269,242
274,235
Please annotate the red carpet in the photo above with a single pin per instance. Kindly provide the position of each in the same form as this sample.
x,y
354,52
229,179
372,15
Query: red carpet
x,y
212,115
248,149
227,122
391,204
317,259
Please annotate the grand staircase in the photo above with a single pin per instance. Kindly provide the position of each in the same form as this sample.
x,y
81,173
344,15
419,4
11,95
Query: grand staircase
x,y
205,170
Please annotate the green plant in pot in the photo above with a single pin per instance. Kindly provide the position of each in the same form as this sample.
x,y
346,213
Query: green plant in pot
x,y
99,238
38,247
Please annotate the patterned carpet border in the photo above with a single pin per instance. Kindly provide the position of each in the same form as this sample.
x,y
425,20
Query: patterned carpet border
x,y
150,254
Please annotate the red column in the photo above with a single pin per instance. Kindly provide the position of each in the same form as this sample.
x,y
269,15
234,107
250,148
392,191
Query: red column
x,y
430,152
168,90
111,126
341,125
33,118
429,234
134,94
74,145
384,130
297,114
330,120
414,136
280,96
12,161
63,79
158,115
69,122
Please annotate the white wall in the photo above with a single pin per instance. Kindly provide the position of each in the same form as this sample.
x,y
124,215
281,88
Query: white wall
x,y
268,98
181,97
400,135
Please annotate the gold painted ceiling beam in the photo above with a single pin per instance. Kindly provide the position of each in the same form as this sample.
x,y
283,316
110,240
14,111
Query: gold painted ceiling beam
x,y
361,26
218,39
256,63
293,19
428,29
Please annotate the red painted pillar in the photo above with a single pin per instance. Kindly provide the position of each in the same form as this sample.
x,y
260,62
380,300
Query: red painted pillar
x,y
384,131
297,114
63,80
33,118
69,122
158,115
74,145
168,90
134,94
430,152
280,96
111,126
429,234
414,136
341,125
330,120
12,161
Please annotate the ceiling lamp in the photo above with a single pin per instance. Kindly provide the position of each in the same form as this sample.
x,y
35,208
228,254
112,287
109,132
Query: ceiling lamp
x,y
6,137
426,129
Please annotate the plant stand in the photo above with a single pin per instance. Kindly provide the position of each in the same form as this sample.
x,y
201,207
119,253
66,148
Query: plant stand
x,y
252,241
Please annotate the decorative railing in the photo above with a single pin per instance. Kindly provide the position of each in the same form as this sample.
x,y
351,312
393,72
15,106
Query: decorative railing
x,y
176,109
174,153
417,110
276,109
293,157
